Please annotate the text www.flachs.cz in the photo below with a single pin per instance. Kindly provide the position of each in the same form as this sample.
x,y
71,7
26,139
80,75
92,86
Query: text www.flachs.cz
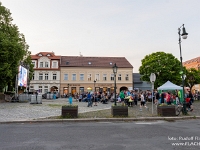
x,y
186,144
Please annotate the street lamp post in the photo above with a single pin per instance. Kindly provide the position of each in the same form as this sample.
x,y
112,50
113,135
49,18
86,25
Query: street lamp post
x,y
68,90
184,36
115,72
94,85
152,79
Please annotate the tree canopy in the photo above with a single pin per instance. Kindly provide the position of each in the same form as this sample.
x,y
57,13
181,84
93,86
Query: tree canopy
x,y
192,77
13,48
164,65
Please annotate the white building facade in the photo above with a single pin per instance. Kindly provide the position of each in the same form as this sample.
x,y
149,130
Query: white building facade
x,y
46,77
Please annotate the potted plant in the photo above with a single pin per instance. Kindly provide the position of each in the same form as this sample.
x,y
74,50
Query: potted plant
x,y
69,111
119,110
166,110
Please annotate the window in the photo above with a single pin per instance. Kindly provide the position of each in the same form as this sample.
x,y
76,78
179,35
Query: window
x,y
46,76
82,77
40,76
112,77
97,77
104,77
89,77
46,64
41,64
74,77
40,89
33,64
126,78
65,76
45,89
81,89
54,65
119,77
54,76
31,89
33,77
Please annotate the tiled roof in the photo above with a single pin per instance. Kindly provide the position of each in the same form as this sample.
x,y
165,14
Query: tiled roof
x,y
50,55
108,62
192,60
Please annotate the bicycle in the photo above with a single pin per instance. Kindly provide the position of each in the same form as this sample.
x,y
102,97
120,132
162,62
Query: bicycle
x,y
180,109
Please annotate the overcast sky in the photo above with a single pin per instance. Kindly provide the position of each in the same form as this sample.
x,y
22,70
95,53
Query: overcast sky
x,y
126,28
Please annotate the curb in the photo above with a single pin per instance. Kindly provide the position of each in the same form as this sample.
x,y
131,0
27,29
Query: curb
x,y
102,120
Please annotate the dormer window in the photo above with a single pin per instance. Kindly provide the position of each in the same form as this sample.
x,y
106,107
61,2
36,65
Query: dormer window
x,y
48,55
39,54
46,64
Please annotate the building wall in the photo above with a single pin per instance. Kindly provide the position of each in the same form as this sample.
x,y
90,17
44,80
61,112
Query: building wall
x,y
88,83
45,85
193,63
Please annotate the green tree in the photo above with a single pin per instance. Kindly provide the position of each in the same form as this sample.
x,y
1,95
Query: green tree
x,y
13,48
164,65
192,77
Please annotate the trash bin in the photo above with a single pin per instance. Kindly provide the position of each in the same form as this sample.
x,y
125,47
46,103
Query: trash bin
x,y
49,96
39,99
54,96
33,99
23,98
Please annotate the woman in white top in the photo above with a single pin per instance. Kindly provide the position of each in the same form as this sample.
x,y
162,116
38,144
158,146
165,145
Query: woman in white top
x,y
142,102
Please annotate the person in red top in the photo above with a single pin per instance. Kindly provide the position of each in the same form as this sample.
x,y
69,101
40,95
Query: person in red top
x,y
168,98
189,100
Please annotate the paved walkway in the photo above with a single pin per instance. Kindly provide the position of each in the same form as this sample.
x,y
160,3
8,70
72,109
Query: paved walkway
x,y
26,111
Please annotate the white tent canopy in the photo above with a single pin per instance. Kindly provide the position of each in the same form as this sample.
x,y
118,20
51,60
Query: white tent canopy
x,y
169,86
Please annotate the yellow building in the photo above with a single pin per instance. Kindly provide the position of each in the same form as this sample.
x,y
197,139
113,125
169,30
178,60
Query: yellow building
x,y
80,74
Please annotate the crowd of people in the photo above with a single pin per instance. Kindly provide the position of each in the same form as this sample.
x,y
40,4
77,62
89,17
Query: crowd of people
x,y
133,97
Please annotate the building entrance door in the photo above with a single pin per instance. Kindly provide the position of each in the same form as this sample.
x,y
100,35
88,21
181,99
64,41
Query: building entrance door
x,y
73,89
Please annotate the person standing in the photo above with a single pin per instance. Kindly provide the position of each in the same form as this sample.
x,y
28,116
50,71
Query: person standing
x,y
122,96
89,99
168,98
157,97
136,98
143,102
162,97
95,99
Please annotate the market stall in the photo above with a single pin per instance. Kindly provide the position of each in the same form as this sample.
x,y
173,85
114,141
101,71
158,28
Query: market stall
x,y
169,86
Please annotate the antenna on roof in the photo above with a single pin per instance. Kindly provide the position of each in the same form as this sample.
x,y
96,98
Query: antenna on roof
x,y
80,54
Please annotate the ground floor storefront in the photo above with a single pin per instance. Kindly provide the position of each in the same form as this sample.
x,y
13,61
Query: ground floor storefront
x,y
65,89
44,88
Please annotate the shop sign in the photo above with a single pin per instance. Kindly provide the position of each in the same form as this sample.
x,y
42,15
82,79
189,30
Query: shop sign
x,y
74,84
104,84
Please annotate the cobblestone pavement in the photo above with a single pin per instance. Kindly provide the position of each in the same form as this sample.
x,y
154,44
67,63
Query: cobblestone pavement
x,y
26,111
